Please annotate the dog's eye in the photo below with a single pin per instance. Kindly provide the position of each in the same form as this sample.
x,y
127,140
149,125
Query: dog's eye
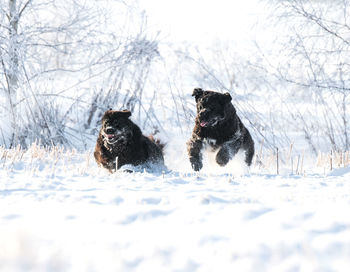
x,y
109,124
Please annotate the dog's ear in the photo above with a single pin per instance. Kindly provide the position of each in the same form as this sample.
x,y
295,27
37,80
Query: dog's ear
x,y
124,113
107,114
117,114
197,93
228,97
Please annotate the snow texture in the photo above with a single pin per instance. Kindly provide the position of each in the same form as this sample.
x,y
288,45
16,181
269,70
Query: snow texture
x,y
60,212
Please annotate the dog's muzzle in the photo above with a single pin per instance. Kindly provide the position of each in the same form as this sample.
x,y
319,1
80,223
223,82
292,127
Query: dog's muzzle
x,y
203,117
211,122
114,136
110,135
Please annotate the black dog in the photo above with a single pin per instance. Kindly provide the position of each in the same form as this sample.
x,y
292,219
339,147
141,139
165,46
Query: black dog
x,y
218,125
121,142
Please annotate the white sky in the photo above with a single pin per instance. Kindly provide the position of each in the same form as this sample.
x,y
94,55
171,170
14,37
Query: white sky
x,y
201,21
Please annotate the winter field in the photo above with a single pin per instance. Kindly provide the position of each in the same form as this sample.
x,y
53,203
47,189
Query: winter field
x,y
60,212
63,63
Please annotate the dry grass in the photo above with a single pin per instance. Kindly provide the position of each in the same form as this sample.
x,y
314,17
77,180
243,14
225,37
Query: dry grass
x,y
51,160
333,159
295,164
56,160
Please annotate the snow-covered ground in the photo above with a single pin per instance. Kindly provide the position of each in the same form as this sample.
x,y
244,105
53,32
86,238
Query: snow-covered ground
x,y
60,212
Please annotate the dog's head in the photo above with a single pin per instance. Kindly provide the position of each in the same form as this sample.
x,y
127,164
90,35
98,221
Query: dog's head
x,y
211,107
116,126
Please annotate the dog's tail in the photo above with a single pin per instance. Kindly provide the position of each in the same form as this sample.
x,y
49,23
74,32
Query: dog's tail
x,y
157,142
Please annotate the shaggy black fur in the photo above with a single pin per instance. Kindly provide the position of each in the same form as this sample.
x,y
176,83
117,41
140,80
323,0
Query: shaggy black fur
x,y
121,142
218,125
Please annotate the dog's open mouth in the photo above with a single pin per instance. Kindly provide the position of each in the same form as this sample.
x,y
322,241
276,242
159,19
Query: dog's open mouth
x,y
111,138
204,124
211,123
115,138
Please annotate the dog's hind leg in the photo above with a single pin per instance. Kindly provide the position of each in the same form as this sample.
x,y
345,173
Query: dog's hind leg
x,y
248,146
249,153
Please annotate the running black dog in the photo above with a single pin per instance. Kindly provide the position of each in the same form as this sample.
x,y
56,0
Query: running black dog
x,y
121,142
218,125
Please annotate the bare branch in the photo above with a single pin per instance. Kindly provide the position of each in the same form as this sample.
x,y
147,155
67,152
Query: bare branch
x,y
23,8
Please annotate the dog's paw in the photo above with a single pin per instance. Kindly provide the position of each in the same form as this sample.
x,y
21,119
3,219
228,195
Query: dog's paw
x,y
222,158
196,165
110,166
127,171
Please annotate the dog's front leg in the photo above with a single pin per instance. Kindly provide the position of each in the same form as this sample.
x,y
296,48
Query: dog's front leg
x,y
194,151
227,152
223,156
103,159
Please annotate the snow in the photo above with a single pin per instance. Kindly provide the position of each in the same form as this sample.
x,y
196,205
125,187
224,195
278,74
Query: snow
x,y
60,212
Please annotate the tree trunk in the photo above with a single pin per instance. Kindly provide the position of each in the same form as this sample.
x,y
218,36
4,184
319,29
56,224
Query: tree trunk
x,y
13,68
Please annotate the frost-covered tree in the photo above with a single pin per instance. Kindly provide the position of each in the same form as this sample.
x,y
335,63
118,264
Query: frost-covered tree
x,y
313,60
62,60
10,54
